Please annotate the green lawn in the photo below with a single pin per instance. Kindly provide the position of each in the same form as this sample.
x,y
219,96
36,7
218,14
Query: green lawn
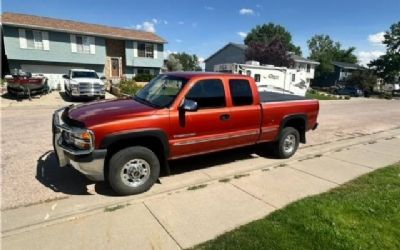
x,y
320,96
362,214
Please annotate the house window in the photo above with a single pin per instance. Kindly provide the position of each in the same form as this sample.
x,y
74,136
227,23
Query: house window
x,y
257,77
83,44
293,77
146,50
308,68
34,39
143,71
248,72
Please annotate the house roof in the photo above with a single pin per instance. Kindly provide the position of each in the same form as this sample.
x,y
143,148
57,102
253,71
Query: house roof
x,y
244,47
347,65
47,23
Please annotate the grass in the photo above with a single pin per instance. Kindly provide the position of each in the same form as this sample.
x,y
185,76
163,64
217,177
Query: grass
x,y
197,187
319,96
362,214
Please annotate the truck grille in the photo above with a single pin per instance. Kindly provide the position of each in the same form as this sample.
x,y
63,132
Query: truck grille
x,y
87,88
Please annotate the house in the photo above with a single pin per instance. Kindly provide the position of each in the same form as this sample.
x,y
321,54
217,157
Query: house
x,y
235,53
342,71
53,46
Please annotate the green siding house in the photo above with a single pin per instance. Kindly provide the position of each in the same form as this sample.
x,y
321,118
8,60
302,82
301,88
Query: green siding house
x,y
52,46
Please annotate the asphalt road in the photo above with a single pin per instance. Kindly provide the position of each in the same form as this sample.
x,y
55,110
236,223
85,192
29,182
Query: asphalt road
x,y
30,174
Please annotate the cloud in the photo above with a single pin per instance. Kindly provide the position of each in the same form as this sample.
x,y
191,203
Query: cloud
x,y
178,40
146,26
168,52
367,56
165,21
242,34
155,21
245,11
209,8
377,38
194,24
181,22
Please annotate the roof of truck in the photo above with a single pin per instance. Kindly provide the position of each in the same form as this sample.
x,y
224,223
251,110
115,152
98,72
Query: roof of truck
x,y
190,74
86,70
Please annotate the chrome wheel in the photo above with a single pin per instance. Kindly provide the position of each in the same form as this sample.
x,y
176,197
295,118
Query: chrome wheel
x,y
135,172
289,143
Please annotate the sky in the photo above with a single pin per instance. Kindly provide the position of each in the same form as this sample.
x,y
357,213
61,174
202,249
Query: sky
x,y
202,27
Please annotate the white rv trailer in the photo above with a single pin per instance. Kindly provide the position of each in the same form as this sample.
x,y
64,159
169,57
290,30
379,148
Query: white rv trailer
x,y
270,78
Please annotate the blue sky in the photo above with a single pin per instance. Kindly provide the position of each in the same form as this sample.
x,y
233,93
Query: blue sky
x,y
204,26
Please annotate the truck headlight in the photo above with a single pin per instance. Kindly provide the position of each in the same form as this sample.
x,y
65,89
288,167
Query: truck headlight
x,y
81,139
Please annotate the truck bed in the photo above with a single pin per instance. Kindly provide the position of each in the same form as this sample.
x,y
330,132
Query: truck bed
x,y
278,97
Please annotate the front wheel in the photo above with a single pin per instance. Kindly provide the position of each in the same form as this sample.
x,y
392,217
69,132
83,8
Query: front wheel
x,y
133,170
288,143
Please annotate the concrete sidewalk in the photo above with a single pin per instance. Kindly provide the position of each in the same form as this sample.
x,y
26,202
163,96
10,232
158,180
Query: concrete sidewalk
x,y
184,217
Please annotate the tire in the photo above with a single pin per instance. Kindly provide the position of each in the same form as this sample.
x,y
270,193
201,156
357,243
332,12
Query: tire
x,y
289,135
133,170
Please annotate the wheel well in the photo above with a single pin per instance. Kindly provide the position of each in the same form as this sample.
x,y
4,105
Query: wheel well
x,y
150,142
298,123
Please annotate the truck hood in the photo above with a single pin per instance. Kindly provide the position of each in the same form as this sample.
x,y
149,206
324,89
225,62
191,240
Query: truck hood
x,y
95,113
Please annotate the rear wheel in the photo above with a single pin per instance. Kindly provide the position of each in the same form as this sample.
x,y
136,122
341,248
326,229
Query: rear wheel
x,y
133,170
288,143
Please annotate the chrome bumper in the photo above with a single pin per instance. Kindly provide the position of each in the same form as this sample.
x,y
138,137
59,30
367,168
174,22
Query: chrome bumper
x,y
88,162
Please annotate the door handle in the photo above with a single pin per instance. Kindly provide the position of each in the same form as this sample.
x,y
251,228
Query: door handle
x,y
224,117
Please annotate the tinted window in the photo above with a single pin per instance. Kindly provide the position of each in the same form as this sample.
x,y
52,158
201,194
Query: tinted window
x,y
241,92
208,94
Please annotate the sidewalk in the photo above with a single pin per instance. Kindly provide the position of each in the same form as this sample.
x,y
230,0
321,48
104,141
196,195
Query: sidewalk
x,y
184,217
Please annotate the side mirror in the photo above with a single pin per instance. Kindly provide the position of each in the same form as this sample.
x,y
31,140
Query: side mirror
x,y
102,78
189,105
65,76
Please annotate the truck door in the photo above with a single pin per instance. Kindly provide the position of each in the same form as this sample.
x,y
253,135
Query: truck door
x,y
203,130
245,113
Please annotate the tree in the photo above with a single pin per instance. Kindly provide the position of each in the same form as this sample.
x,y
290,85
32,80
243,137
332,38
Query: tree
x,y
363,79
188,62
324,50
273,53
388,66
173,63
267,33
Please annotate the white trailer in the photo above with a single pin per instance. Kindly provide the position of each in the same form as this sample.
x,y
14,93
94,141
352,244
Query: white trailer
x,y
270,78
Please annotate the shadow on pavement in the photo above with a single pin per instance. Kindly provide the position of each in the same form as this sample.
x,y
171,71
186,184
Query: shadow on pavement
x,y
69,181
66,180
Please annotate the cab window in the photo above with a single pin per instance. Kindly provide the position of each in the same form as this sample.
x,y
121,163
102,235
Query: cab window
x,y
241,92
208,94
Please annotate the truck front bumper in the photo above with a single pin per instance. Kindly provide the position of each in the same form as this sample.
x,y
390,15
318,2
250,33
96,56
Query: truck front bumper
x,y
91,164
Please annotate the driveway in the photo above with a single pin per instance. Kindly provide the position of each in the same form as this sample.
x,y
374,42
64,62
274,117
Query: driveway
x,y
31,175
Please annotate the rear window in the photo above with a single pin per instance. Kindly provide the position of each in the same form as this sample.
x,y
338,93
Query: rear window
x,y
241,92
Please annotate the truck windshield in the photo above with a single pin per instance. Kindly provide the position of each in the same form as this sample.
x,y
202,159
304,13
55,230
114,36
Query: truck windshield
x,y
161,91
84,74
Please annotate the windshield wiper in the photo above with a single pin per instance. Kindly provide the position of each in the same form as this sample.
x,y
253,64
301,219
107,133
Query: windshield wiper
x,y
146,102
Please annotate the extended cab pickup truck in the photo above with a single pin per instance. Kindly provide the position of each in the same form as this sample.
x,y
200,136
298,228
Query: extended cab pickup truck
x,y
176,115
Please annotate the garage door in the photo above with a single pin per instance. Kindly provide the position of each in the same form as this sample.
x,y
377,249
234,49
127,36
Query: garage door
x,y
53,73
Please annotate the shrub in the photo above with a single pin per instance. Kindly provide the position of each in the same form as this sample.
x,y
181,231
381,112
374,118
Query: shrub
x,y
387,96
143,78
129,87
347,97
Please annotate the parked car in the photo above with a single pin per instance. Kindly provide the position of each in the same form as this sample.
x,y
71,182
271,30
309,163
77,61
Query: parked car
x,y
84,83
176,115
351,91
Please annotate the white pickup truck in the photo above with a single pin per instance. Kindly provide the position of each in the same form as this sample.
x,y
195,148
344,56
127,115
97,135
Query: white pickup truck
x,y
84,83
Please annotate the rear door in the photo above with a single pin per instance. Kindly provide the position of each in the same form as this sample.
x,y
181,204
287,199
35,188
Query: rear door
x,y
245,113
203,130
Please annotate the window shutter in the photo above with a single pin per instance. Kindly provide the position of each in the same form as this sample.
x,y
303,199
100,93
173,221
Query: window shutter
x,y
155,47
73,43
92,45
45,37
135,49
22,39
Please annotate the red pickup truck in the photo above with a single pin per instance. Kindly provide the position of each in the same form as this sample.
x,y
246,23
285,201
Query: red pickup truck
x,y
128,141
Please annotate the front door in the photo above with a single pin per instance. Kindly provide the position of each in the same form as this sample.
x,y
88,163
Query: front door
x,y
114,67
203,130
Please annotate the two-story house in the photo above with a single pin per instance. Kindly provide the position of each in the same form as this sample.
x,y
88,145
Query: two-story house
x,y
235,53
52,46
